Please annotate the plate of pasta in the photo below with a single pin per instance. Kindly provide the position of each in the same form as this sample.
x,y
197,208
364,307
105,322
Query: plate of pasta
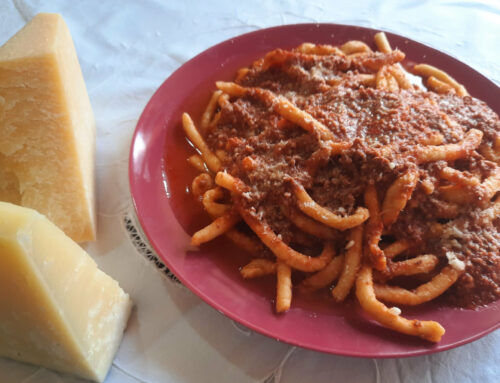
x,y
333,187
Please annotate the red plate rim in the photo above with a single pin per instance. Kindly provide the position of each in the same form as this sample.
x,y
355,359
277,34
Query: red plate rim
x,y
149,189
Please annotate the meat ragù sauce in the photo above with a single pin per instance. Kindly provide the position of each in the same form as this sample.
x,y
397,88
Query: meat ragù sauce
x,y
452,211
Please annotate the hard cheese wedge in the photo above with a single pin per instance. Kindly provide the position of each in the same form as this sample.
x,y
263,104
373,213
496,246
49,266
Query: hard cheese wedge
x,y
57,309
47,128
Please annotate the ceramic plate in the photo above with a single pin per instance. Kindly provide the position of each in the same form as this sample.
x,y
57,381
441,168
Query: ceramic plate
x,y
159,174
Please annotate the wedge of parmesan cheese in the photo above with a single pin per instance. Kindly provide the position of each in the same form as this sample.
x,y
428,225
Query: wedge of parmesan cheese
x,y
47,128
57,309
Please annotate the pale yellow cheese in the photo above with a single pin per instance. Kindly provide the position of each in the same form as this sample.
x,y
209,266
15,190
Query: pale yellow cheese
x,y
57,309
47,128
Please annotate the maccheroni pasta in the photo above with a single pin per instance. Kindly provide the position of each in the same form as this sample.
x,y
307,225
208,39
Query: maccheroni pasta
x,y
334,169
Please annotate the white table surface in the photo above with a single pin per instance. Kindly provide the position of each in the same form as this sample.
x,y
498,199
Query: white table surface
x,y
126,50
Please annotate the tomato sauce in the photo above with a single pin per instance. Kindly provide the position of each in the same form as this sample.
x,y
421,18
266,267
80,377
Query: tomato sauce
x,y
384,129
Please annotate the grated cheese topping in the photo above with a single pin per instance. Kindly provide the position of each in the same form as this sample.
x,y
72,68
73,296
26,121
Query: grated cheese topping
x,y
395,310
454,262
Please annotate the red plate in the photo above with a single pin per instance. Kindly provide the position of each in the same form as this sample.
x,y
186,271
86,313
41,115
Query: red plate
x,y
158,173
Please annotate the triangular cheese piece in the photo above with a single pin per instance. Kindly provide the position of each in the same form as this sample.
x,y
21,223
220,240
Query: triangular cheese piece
x,y
57,309
47,128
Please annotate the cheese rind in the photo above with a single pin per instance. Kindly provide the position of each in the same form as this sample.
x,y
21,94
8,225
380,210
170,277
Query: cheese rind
x,y
47,127
57,309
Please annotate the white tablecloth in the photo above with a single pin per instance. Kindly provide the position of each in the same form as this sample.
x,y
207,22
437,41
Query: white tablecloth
x,y
126,50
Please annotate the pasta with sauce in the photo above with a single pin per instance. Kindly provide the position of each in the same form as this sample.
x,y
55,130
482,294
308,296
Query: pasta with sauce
x,y
333,170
